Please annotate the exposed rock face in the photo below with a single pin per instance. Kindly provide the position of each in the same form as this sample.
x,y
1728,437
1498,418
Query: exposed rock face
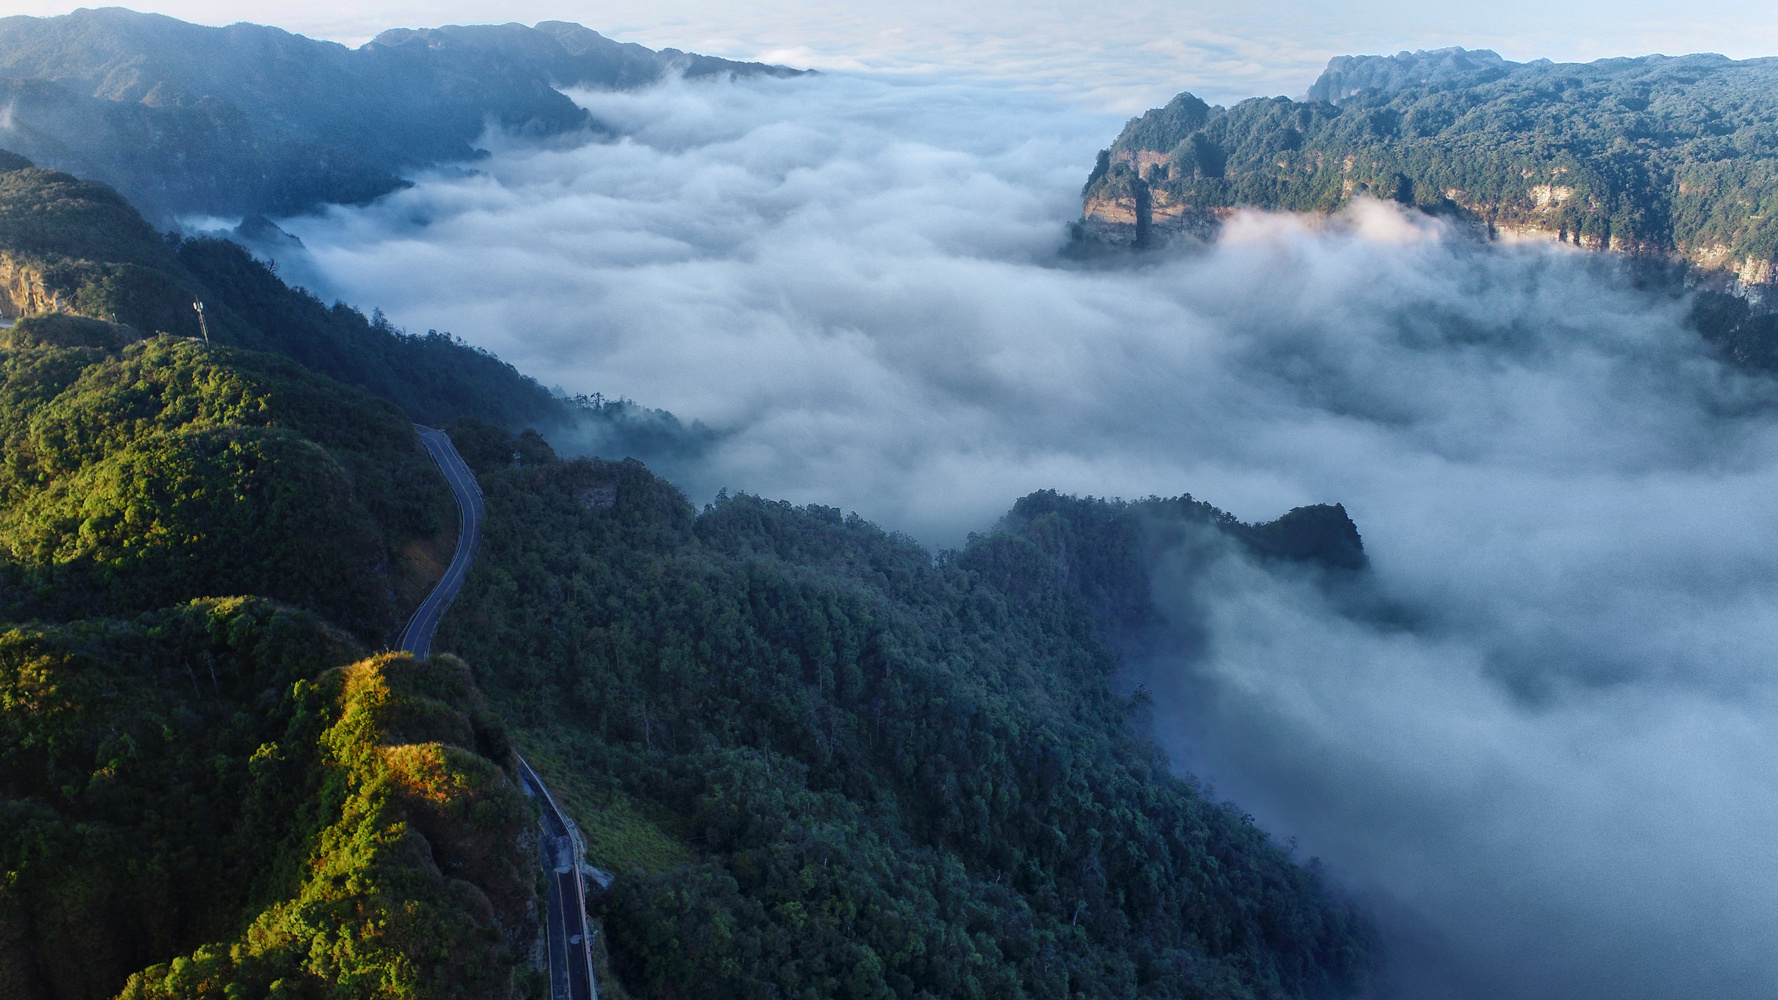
x,y
1132,213
1672,157
22,289
1170,217
1113,221
1113,211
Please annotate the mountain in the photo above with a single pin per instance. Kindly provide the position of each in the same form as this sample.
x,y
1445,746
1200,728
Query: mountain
x,y
207,780
157,472
231,796
79,249
818,760
1670,157
1454,67
184,119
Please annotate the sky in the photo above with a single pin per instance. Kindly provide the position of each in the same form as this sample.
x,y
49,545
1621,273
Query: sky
x,y
1121,57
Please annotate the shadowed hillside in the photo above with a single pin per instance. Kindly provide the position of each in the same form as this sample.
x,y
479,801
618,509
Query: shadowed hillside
x,y
251,119
824,764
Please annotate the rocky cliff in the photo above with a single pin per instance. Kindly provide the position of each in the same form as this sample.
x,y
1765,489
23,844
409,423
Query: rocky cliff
x,y
1674,157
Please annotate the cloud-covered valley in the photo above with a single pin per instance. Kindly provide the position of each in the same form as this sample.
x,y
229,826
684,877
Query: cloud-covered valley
x,y
1539,737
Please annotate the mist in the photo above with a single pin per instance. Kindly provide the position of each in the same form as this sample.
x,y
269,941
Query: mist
x,y
1536,736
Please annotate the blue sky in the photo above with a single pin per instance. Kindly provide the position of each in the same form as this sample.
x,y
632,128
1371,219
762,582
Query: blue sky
x,y
1115,57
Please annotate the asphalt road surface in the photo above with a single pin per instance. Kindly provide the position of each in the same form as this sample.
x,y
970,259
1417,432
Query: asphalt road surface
x,y
418,637
570,942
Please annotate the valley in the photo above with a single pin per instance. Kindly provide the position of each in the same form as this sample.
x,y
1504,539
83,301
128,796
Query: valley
x,y
342,661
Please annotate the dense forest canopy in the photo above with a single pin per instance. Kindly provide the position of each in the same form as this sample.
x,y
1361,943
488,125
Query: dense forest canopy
x,y
163,471
824,764
78,248
208,785
821,762
228,798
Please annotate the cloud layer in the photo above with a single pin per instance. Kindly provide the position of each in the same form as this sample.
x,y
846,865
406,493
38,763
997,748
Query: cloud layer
x,y
1540,738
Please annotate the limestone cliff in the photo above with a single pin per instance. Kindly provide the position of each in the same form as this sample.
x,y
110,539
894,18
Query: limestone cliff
x,y
1671,157
23,290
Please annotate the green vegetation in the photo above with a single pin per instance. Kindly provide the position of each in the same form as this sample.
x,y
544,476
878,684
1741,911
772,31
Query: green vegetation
x,y
65,330
433,377
163,471
1659,155
825,765
76,248
215,796
822,763
215,800
72,250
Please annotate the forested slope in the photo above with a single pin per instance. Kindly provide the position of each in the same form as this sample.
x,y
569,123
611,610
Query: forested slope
x,y
824,765
78,247
208,787
821,763
229,799
144,475
1667,156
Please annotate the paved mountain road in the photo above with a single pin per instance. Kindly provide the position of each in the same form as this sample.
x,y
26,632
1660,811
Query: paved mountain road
x,y
417,639
569,939
570,942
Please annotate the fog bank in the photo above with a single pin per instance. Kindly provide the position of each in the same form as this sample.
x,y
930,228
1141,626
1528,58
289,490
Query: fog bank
x,y
1539,737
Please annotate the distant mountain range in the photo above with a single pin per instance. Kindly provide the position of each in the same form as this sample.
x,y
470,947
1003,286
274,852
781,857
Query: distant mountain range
x,y
184,119
1664,156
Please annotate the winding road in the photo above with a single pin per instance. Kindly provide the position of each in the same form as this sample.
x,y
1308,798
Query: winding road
x,y
569,939
417,639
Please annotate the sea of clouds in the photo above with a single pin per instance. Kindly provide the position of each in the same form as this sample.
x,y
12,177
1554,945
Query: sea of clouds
x,y
1538,738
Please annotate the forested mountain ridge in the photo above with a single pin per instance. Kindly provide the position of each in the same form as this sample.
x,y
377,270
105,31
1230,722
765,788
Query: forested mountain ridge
x,y
821,761
824,764
79,248
244,119
231,798
207,783
1672,156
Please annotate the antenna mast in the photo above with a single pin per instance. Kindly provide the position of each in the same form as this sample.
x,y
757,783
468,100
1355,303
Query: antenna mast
x,y
199,306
